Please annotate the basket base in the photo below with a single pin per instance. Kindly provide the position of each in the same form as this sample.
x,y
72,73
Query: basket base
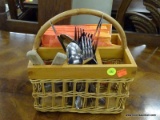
x,y
90,111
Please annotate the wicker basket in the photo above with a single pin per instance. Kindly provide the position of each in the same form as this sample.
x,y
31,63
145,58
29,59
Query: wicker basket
x,y
51,91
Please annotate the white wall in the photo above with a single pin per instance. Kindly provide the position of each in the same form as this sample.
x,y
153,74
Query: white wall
x,y
102,5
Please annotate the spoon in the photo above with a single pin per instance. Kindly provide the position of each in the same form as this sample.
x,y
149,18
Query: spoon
x,y
75,59
66,39
73,48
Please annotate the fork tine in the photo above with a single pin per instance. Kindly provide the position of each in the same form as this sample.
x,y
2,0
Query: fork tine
x,y
88,46
99,30
88,35
81,31
93,47
75,34
98,26
96,44
78,33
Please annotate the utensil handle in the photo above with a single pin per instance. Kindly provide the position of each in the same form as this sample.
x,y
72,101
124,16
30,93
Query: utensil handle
x,y
74,12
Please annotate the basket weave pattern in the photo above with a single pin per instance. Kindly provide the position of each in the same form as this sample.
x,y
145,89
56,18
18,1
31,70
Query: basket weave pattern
x,y
115,93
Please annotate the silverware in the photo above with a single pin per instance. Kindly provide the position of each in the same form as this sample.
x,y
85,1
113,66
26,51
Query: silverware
x,y
78,102
102,101
75,59
66,39
91,47
83,47
74,54
92,89
70,88
73,48
48,87
86,45
80,86
58,37
77,34
98,29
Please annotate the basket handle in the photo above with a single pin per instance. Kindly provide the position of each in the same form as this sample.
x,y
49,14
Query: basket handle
x,y
73,12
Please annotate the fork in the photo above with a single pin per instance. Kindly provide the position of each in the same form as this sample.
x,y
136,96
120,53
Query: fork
x,y
87,46
98,29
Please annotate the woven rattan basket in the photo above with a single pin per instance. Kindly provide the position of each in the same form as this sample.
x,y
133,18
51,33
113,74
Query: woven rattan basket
x,y
111,80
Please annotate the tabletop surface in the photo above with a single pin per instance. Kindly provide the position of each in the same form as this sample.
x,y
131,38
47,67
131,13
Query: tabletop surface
x,y
16,102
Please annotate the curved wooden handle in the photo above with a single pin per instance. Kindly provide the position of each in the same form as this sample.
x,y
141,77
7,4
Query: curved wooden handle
x,y
73,12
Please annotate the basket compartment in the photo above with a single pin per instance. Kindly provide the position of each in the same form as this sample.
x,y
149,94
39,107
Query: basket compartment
x,y
66,71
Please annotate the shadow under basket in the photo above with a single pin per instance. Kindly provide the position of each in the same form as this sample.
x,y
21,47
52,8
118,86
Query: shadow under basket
x,y
104,86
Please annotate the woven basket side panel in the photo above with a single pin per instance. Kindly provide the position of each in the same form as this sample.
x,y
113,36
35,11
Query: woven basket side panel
x,y
97,96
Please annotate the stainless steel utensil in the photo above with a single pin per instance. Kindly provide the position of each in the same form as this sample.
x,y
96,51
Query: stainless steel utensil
x,y
58,37
85,43
78,102
102,101
66,39
98,29
75,59
48,87
92,89
73,48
